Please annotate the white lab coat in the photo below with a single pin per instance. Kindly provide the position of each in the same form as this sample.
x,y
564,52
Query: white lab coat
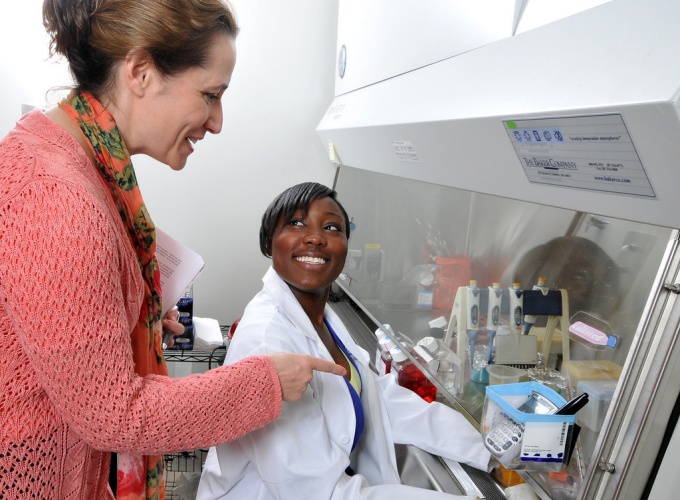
x,y
304,453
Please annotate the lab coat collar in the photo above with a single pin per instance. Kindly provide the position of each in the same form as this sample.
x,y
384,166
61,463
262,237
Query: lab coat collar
x,y
290,306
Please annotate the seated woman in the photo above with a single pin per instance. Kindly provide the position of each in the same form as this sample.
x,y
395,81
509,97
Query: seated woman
x,y
338,440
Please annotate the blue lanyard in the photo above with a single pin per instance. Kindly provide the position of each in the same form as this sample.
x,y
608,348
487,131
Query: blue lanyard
x,y
356,399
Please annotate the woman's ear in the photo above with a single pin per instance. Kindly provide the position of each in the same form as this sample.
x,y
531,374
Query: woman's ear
x,y
138,71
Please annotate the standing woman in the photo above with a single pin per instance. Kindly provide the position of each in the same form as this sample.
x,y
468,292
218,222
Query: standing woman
x,y
81,363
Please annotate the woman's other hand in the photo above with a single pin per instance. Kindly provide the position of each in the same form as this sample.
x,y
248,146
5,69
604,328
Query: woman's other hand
x,y
171,327
295,372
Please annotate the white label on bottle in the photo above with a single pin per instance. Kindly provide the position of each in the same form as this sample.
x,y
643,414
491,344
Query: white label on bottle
x,y
425,299
423,353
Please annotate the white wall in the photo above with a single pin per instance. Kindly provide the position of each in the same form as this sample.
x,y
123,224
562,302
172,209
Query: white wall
x,y
25,71
282,86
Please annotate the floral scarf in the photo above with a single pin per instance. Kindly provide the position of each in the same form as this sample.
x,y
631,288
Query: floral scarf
x,y
139,477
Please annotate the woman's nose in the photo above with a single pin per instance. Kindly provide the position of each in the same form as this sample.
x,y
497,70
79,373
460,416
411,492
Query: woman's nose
x,y
315,238
214,122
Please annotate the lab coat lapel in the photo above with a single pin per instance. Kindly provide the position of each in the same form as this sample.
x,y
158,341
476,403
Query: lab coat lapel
x,y
377,458
330,390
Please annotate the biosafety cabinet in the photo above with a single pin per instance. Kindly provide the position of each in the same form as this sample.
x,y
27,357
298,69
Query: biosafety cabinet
x,y
501,142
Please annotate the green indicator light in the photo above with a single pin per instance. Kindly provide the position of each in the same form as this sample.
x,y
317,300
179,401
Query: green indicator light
x,y
511,124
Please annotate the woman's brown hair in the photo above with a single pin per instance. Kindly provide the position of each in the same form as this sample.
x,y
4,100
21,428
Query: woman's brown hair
x,y
94,35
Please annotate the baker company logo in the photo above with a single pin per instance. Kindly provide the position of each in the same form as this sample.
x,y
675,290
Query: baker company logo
x,y
548,163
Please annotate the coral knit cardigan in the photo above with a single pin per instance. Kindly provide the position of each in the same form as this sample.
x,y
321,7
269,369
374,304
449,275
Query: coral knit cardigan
x,y
70,292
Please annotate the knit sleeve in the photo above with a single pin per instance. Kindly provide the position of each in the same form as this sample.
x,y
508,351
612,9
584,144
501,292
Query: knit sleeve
x,y
72,289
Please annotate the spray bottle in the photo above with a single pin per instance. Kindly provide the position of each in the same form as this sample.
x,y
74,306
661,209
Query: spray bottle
x,y
530,319
493,315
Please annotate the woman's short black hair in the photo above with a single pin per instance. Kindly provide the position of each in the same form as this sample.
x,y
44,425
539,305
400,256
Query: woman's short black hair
x,y
300,196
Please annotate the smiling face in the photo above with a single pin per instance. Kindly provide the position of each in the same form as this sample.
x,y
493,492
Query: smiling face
x,y
177,111
309,250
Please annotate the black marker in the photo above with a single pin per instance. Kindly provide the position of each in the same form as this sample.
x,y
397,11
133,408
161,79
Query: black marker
x,y
571,407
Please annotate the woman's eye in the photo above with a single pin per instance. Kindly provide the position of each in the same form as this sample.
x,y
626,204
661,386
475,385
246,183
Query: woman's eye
x,y
333,227
295,222
211,97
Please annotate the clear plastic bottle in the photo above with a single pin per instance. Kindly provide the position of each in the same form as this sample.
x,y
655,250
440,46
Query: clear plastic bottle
x,y
441,360
410,376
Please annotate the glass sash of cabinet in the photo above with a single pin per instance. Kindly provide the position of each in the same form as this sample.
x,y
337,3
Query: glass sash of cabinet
x,y
416,247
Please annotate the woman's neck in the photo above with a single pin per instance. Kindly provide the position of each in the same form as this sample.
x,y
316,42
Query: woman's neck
x,y
314,305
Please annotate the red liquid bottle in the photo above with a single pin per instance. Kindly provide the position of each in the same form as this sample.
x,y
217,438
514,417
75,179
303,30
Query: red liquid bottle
x,y
383,358
410,376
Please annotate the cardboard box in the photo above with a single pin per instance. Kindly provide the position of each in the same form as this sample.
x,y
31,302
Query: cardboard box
x,y
184,342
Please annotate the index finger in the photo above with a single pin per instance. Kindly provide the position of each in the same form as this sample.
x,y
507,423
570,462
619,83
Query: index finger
x,y
323,365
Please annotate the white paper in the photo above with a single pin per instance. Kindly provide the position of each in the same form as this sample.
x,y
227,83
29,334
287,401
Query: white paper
x,y
179,266
208,330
